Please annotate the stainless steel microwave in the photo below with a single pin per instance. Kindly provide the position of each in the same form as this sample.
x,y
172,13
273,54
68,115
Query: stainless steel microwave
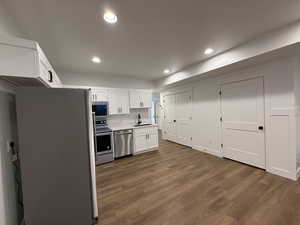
x,y
100,109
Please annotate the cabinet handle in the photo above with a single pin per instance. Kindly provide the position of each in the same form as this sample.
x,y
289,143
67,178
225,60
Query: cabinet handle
x,y
50,76
261,127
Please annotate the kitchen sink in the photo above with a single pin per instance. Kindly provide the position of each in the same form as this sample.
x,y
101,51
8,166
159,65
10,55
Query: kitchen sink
x,y
141,125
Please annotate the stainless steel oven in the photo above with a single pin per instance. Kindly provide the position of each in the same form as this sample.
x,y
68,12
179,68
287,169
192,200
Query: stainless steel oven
x,y
104,142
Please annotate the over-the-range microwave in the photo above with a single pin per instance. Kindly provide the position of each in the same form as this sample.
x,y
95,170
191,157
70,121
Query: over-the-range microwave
x,y
100,109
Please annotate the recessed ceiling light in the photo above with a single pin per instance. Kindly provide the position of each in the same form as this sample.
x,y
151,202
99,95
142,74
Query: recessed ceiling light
x,y
96,59
110,17
166,71
208,51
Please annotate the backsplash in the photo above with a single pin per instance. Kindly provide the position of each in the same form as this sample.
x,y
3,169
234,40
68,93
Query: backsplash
x,y
129,119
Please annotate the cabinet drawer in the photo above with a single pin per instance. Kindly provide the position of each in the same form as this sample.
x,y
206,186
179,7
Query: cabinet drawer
x,y
141,131
152,130
146,130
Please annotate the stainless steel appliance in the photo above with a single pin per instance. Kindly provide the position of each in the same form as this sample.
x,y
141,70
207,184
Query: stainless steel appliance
x,y
100,109
57,156
104,148
123,140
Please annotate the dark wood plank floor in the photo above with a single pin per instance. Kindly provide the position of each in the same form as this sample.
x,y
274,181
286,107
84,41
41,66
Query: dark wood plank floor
x,y
181,186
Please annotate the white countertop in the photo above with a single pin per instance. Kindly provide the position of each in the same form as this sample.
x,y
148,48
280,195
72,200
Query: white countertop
x,y
115,128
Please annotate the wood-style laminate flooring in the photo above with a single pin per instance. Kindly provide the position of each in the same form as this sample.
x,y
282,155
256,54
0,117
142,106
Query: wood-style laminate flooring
x,y
181,186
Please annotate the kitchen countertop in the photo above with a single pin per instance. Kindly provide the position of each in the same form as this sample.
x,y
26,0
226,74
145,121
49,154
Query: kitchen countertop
x,y
130,127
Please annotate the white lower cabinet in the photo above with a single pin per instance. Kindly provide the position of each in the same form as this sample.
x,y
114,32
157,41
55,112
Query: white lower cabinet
x,y
145,139
153,140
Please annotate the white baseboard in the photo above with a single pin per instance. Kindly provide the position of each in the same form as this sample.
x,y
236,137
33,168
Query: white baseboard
x,y
208,150
283,173
147,150
298,173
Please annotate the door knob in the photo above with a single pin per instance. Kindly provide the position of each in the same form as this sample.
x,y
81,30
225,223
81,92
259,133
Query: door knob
x,y
261,128
174,121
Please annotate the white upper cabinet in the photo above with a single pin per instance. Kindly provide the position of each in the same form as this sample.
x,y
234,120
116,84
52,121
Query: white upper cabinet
x,y
99,95
23,63
118,101
140,98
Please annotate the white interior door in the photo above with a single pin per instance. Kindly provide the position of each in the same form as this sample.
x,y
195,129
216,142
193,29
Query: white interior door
x,y
243,121
184,118
169,117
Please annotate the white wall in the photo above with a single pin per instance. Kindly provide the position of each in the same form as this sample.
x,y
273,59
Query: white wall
x,y
97,80
279,110
281,41
7,22
8,203
129,119
297,105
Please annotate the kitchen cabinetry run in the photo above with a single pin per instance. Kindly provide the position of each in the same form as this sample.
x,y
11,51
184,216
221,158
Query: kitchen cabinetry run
x,y
118,101
140,98
23,63
145,139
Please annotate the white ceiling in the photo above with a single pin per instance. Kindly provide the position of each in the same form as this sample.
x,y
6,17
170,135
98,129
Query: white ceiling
x,y
151,35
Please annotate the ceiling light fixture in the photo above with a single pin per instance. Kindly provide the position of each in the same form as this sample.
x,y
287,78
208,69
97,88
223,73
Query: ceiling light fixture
x,y
208,51
110,17
96,59
166,71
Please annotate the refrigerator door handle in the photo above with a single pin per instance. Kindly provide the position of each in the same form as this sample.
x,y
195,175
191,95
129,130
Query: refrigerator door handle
x,y
92,154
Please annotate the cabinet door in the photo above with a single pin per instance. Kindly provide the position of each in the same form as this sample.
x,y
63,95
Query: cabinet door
x,y
152,140
114,104
140,99
146,99
134,99
100,95
141,143
124,98
118,101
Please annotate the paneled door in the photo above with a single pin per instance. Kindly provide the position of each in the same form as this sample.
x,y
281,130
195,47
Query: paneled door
x,y
184,118
169,118
242,106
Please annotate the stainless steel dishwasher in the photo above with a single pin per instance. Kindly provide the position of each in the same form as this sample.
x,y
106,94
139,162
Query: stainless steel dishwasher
x,y
123,143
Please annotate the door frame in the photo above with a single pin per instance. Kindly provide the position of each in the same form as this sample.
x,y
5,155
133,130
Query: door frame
x,y
173,92
231,80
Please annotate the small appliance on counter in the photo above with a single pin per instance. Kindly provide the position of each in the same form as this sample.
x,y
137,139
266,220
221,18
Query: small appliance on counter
x,y
139,119
103,135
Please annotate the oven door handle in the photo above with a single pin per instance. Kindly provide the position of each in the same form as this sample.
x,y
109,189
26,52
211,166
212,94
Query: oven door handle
x,y
103,134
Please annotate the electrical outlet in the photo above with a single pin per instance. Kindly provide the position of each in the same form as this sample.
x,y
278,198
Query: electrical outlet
x,y
10,145
8,149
